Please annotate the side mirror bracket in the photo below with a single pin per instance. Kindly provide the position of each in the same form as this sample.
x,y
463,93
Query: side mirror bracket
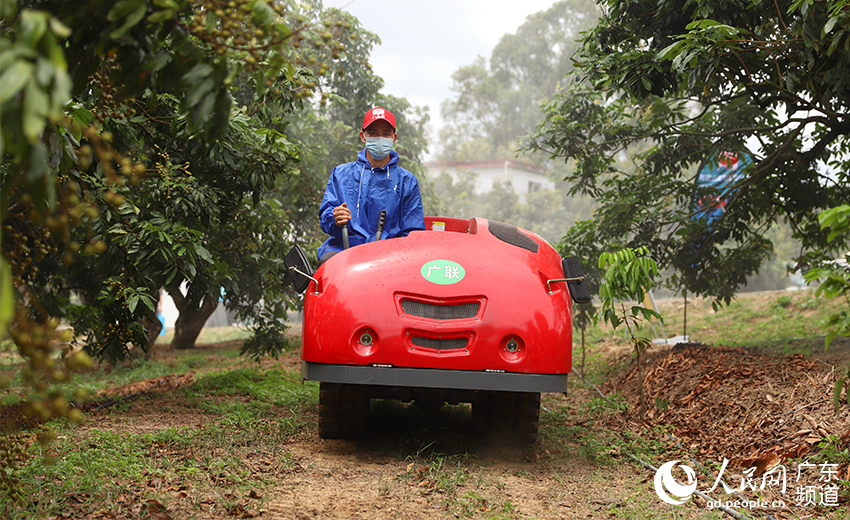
x,y
298,269
576,283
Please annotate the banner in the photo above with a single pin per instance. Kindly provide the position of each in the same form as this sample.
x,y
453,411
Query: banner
x,y
719,174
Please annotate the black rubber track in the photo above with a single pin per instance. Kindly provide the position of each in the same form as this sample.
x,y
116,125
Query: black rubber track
x,y
343,411
514,413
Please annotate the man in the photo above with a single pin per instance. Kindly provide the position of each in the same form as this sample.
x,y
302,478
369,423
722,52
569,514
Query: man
x,y
359,190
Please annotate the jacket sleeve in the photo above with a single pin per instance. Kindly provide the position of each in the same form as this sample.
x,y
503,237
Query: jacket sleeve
x,y
413,215
330,200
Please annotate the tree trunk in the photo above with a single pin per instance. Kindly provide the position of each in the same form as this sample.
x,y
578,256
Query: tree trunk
x,y
152,327
191,319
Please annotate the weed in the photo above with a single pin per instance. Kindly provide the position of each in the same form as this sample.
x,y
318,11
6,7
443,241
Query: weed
x,y
782,302
615,403
810,303
832,451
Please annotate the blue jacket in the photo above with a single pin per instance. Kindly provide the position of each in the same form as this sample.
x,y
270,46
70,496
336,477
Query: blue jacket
x,y
367,191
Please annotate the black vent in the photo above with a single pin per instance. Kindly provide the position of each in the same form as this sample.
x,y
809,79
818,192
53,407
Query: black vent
x,y
440,312
512,235
440,344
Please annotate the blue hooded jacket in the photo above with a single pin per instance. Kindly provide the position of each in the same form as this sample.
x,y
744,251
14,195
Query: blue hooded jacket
x,y
367,191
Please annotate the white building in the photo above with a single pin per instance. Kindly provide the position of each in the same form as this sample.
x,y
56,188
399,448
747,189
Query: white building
x,y
524,177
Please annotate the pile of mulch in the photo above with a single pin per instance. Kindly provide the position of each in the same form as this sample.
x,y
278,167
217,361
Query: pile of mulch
x,y
756,410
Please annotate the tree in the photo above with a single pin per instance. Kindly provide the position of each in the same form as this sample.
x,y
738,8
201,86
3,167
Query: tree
x,y
672,85
835,274
103,104
496,105
628,275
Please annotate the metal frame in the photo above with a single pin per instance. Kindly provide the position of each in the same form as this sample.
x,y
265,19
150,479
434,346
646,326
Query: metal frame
x,y
433,378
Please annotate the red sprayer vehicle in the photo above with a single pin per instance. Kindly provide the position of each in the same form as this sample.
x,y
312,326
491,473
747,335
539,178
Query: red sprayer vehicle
x,y
473,311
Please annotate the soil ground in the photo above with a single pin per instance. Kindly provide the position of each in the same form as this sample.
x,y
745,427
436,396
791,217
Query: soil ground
x,y
762,409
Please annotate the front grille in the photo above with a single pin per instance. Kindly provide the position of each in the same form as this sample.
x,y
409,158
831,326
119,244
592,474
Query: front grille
x,y
440,312
512,235
440,344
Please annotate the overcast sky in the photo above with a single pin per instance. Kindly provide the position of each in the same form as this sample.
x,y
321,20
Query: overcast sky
x,y
425,41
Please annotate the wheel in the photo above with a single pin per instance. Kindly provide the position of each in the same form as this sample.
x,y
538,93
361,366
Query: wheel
x,y
482,410
514,413
343,411
527,418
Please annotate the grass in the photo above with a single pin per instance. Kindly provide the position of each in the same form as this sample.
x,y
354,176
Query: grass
x,y
788,322
455,482
108,465
241,419
251,415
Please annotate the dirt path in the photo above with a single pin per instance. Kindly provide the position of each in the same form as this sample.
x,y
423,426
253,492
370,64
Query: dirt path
x,y
483,478
759,409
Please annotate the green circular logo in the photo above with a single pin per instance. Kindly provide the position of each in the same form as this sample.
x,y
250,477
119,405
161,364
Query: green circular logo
x,y
443,272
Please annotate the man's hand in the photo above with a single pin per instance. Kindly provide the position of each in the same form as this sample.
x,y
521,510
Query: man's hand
x,y
342,214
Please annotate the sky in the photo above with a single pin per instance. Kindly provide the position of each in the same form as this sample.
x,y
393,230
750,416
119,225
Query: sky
x,y
423,42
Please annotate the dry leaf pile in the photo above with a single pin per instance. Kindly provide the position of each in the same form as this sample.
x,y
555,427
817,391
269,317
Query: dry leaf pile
x,y
755,410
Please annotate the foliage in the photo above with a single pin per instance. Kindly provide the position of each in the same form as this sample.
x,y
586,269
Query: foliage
x,y
629,274
496,103
835,274
138,140
549,213
196,90
660,88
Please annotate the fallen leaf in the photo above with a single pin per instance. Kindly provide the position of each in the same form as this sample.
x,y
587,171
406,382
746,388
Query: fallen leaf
x,y
154,510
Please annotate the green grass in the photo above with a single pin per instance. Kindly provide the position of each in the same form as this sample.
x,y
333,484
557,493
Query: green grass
x,y
785,322
253,413
101,466
457,485
264,391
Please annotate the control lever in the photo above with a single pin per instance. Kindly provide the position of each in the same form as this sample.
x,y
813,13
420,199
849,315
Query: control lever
x,y
345,236
381,225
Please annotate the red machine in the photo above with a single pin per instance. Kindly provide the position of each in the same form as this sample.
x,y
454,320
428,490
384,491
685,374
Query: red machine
x,y
471,311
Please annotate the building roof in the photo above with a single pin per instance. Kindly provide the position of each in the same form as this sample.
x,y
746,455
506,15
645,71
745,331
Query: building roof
x,y
520,165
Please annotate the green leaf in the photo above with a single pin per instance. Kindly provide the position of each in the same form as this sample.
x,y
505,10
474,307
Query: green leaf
x,y
7,296
161,16
264,14
14,79
203,253
198,73
131,20
197,91
827,28
35,107
167,4
59,29
123,9
32,27
201,113
670,52
132,302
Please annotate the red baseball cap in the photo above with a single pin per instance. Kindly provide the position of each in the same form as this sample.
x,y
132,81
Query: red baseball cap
x,y
376,114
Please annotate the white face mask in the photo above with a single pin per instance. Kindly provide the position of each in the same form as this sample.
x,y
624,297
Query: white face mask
x,y
379,147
